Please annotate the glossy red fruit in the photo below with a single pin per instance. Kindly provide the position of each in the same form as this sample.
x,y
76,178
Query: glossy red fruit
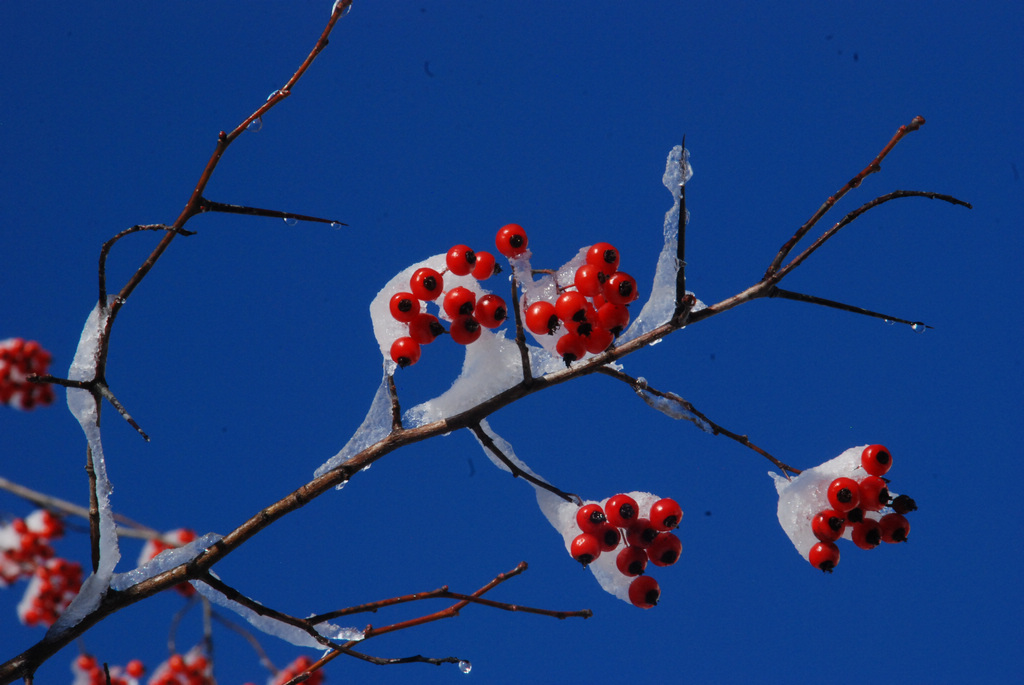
x,y
613,317
585,548
622,511
876,460
641,533
570,348
604,256
828,525
644,592
541,318
874,493
608,537
895,528
490,311
844,494
405,352
590,517
666,514
426,284
598,340
620,288
459,301
460,260
665,549
485,266
824,555
571,306
424,328
135,668
631,561
511,240
867,534
589,279
404,307
464,330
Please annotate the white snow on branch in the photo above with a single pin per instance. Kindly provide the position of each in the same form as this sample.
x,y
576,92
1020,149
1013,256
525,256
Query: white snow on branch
x,y
271,626
84,407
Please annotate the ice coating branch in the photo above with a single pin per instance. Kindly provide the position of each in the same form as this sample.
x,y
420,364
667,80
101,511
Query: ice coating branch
x,y
661,305
374,428
165,561
84,405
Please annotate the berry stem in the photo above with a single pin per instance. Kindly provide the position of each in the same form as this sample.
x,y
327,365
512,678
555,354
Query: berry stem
x,y
518,472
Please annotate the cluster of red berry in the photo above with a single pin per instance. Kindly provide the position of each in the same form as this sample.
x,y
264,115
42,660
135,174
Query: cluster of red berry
x,y
592,311
18,359
54,584
850,501
647,540
460,304
171,540
89,671
192,668
25,543
295,668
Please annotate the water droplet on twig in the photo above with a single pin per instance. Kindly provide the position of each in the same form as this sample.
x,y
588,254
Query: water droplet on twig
x,y
255,125
918,327
291,220
465,666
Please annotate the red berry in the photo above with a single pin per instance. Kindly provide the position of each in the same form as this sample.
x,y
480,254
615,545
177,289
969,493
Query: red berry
x,y
85,662
485,266
405,352
641,533
665,549
590,517
511,240
425,328
585,548
613,317
867,534
541,318
460,260
135,668
874,493
608,537
620,288
459,301
824,555
876,460
828,525
644,592
404,307
666,514
571,306
590,279
426,284
598,340
570,347
621,511
464,330
631,561
490,311
604,256
843,494
895,528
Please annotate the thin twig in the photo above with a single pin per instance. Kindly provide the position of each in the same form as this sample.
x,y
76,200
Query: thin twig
x,y
681,237
875,165
641,386
813,299
105,250
248,637
396,410
106,392
524,350
211,206
517,471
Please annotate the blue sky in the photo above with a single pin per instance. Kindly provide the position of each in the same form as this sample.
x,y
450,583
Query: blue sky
x,y
247,354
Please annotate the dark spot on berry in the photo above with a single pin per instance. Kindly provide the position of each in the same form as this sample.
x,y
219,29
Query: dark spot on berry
x,y
610,256
827,566
430,283
873,537
844,495
585,329
835,523
405,305
466,308
652,597
883,458
580,315
627,512
670,521
669,557
585,559
625,288
648,535
636,568
597,517
470,325
611,537
516,241
470,257
883,496
404,362
855,515
553,324
903,505
569,358
500,314
436,328
900,535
